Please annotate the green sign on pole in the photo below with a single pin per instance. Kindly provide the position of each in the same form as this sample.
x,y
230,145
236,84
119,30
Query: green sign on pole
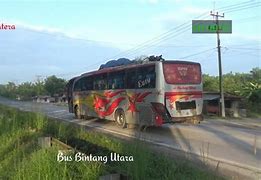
x,y
211,26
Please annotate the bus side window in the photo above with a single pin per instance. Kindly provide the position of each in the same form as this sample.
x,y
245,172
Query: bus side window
x,y
120,80
100,82
131,79
110,81
87,84
116,80
95,83
77,86
83,84
146,77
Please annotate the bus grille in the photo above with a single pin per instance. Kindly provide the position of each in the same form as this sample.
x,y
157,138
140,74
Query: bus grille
x,y
185,105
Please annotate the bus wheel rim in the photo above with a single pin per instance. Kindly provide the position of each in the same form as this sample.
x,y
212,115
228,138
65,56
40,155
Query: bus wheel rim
x,y
120,119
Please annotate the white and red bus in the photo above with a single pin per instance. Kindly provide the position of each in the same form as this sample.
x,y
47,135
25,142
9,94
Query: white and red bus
x,y
147,94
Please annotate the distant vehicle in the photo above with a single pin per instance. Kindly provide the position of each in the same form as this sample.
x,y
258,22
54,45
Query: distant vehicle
x,y
148,94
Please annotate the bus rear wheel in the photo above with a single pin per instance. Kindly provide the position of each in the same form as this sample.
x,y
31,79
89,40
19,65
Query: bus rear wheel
x,y
120,118
77,112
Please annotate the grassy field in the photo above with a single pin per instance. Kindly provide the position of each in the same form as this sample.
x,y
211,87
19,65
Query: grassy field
x,y
22,158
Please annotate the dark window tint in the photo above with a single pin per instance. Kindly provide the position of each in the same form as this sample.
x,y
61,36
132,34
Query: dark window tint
x,y
77,86
116,80
131,79
100,82
84,84
87,83
146,77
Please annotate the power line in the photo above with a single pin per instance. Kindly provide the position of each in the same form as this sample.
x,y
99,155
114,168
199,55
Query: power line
x,y
245,5
195,54
246,45
207,56
245,48
239,5
166,34
176,31
240,9
158,38
171,36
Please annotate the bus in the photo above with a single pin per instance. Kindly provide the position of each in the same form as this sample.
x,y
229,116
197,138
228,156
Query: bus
x,y
150,93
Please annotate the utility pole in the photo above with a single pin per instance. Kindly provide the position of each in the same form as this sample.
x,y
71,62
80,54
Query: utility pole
x,y
221,102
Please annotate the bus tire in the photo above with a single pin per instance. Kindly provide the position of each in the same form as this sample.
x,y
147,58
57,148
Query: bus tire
x,y
142,128
87,117
77,112
120,118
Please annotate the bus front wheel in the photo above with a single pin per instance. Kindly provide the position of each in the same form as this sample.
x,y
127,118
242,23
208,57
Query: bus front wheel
x,y
120,118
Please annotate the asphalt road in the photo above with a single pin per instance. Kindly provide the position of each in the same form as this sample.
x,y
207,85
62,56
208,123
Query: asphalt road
x,y
234,143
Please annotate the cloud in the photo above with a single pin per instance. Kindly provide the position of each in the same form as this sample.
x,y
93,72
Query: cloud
x,y
45,29
26,54
84,34
78,33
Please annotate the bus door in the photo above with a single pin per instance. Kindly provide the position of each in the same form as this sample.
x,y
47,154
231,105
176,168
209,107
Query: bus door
x,y
70,95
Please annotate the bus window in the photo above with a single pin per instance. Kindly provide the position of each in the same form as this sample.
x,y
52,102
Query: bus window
x,y
131,79
100,82
87,84
181,73
116,80
146,77
77,86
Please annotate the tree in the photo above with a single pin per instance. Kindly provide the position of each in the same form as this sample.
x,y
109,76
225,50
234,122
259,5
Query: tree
x,y
39,87
54,85
256,75
210,83
232,82
26,91
252,91
10,90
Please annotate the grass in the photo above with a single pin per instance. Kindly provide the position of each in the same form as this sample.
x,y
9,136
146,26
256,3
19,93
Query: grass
x,y
254,110
22,158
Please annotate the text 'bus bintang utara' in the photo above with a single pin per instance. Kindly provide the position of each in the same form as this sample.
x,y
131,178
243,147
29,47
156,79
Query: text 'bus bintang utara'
x,y
150,93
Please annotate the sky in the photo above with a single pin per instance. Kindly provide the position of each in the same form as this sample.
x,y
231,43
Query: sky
x,y
69,37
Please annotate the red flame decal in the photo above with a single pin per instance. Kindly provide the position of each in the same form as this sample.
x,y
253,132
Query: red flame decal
x,y
102,107
110,94
111,108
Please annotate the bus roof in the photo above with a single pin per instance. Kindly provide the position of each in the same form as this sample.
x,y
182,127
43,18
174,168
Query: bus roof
x,y
129,66
118,68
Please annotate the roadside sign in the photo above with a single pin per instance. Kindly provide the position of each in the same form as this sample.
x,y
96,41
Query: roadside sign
x,y
210,26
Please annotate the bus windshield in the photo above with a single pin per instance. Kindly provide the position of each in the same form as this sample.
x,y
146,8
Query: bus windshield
x,y
181,73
